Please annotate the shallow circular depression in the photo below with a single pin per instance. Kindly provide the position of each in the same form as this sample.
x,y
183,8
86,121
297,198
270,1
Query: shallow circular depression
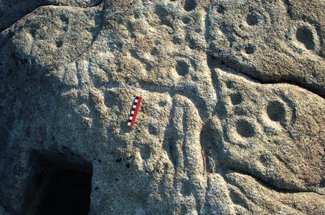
x,y
305,36
190,5
221,9
276,111
182,67
250,49
153,130
236,98
252,19
245,128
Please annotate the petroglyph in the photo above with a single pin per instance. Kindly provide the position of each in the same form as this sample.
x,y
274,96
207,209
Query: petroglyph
x,y
232,118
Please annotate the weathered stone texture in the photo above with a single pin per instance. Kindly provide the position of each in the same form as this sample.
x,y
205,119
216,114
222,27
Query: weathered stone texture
x,y
233,112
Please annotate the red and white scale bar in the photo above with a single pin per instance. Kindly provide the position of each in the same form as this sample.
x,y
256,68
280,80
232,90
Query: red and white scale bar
x,y
134,110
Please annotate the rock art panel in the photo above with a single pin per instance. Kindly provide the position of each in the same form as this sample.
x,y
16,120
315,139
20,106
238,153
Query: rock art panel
x,y
261,40
231,122
268,120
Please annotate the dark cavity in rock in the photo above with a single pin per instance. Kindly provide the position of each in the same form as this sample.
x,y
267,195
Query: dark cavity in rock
x,y
60,184
182,68
276,111
305,36
245,128
190,5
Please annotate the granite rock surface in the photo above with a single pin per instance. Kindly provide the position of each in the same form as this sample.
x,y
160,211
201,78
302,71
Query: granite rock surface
x,y
232,119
